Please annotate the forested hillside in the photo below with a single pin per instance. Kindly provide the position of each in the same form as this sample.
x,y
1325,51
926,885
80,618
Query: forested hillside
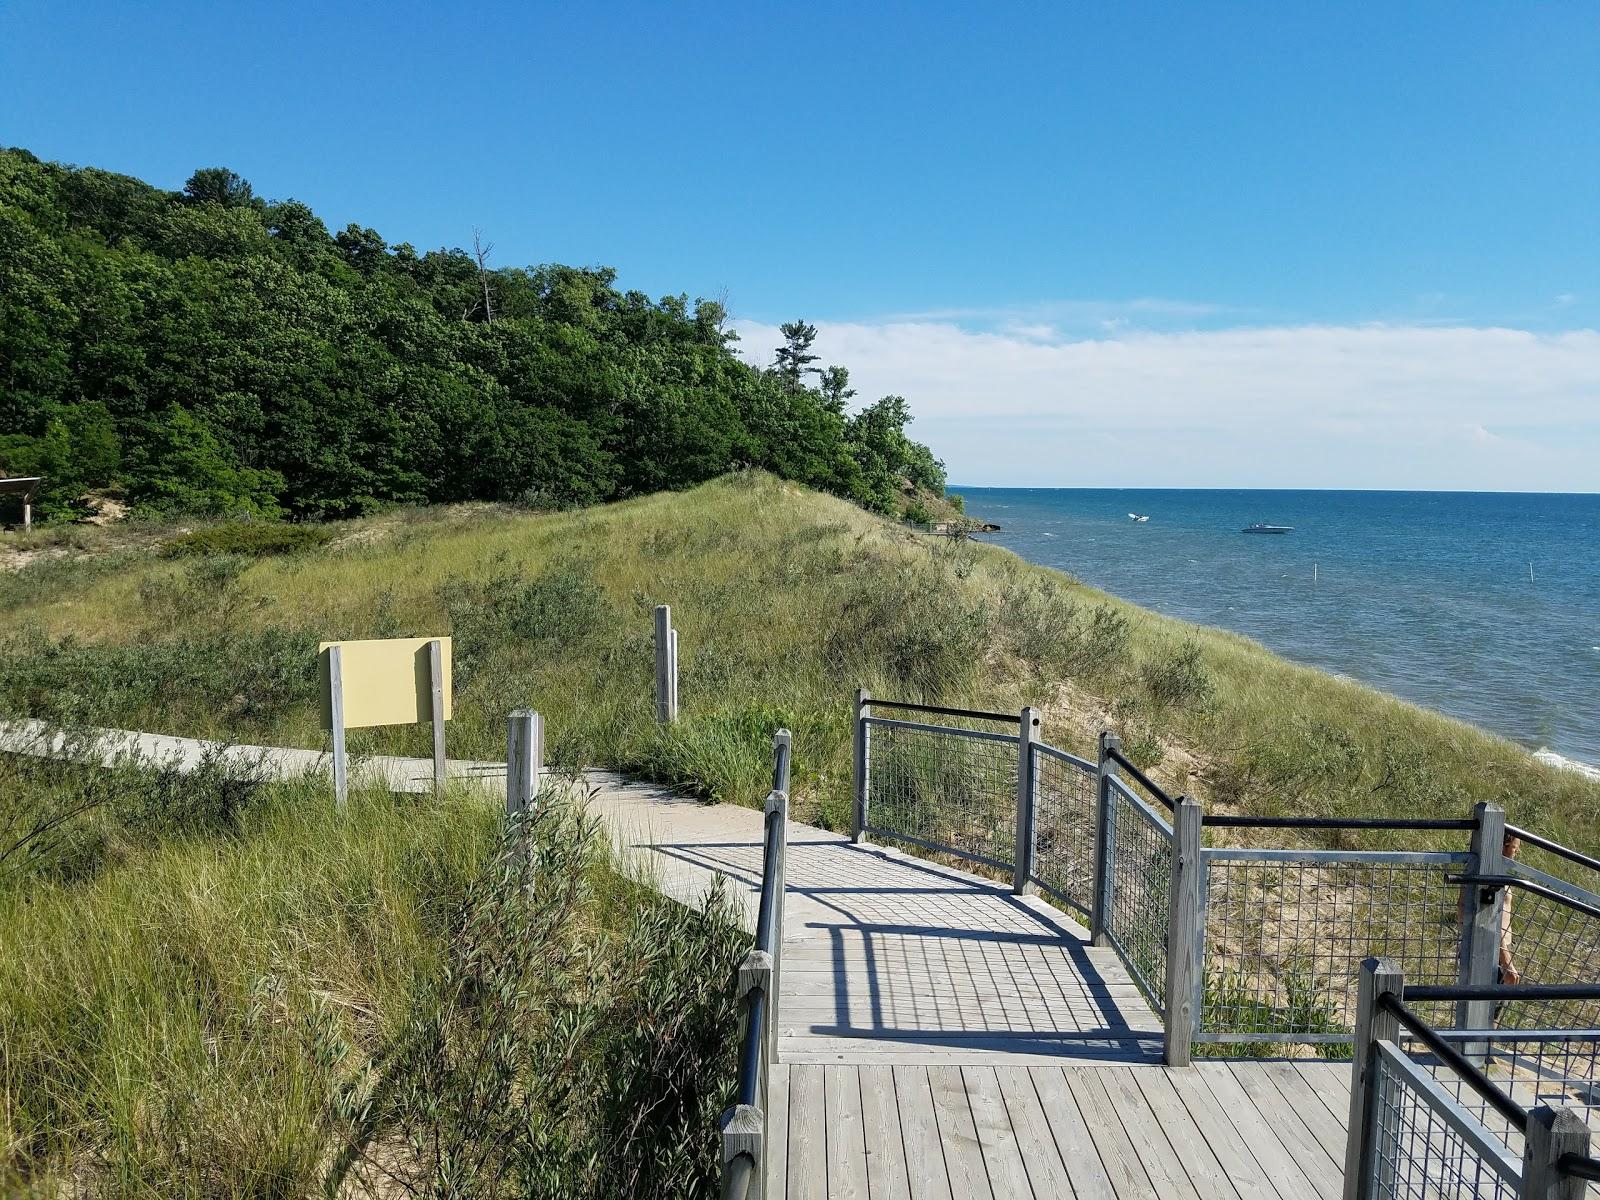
x,y
209,351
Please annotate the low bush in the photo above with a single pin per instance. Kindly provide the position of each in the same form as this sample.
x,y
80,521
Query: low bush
x,y
250,538
1178,677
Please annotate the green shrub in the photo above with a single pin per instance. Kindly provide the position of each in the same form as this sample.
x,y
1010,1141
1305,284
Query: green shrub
x,y
1178,677
250,538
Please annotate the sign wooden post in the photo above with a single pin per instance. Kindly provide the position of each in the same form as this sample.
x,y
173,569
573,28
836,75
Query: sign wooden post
x,y
341,767
436,713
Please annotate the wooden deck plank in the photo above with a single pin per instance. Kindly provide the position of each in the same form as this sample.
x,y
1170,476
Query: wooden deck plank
x,y
1265,1138
1129,1180
963,1156
1331,1082
1293,1130
1274,1135
777,1143
1047,1174
1082,1161
1007,1174
919,1131
808,1149
1239,1166
887,1177
1292,1085
1200,1163
1150,1141
846,1138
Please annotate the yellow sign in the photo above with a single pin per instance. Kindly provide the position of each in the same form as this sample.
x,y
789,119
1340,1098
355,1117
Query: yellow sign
x,y
387,681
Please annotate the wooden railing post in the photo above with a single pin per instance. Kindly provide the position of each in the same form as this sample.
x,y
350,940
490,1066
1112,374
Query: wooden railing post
x,y
1374,1023
862,734
1551,1133
1027,802
743,1161
524,756
1185,928
666,666
1104,841
1480,923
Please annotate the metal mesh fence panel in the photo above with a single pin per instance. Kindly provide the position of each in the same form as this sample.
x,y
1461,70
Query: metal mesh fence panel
x,y
943,788
1427,1147
1286,932
1066,795
1141,886
1557,1067
1551,942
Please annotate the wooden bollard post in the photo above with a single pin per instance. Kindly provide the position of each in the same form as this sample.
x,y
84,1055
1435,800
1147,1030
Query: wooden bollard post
x,y
666,666
524,755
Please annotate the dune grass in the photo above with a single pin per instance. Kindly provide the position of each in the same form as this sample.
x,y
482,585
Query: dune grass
x,y
212,988
786,600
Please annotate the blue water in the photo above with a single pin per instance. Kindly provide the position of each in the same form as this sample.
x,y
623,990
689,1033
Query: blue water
x,y
1422,594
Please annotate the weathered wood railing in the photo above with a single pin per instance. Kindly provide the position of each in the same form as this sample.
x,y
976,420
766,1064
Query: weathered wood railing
x,y
1478,1112
1229,943
744,1132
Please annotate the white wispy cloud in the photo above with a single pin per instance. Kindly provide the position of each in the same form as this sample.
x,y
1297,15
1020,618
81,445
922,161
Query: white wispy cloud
x,y
1379,405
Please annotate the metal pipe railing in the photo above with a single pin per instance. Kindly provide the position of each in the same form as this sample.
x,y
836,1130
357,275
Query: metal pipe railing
x,y
1233,821
939,710
1554,847
1497,1097
1115,754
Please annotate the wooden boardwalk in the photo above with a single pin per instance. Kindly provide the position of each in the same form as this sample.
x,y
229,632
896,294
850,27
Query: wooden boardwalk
x,y
941,1038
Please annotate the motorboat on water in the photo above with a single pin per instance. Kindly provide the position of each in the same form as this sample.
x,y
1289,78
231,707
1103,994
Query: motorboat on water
x,y
1260,528
1137,517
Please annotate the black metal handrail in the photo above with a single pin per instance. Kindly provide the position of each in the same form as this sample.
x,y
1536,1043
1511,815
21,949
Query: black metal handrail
x,y
1497,1097
971,713
1503,991
771,880
1527,885
1227,820
1554,847
750,1051
1150,785
1579,1166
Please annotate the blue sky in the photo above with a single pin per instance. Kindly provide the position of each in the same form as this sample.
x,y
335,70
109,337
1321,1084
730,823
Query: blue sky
x,y
1064,202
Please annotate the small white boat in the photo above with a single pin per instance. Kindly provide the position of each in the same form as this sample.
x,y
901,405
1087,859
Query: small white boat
x,y
1137,517
1259,528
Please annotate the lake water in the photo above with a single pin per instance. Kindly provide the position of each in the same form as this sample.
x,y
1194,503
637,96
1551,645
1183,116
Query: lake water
x,y
1423,594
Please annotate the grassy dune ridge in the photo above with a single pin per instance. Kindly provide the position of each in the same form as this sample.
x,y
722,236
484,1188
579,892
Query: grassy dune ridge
x,y
209,988
786,600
